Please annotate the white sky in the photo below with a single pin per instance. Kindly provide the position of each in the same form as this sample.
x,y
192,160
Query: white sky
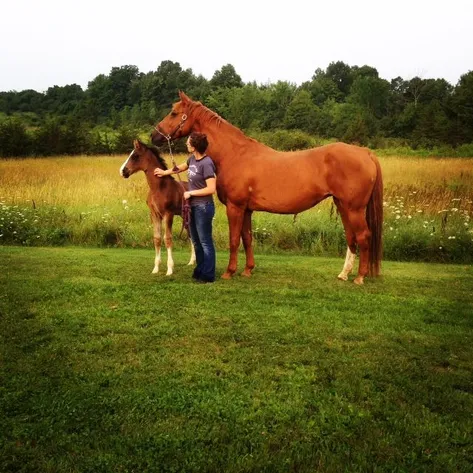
x,y
59,42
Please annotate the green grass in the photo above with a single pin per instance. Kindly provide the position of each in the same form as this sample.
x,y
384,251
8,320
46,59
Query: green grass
x,y
107,368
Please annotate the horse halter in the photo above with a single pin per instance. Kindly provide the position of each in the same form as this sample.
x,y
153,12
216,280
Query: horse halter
x,y
169,137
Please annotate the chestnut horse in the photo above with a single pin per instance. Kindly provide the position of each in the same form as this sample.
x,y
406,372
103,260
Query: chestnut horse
x,y
164,198
254,177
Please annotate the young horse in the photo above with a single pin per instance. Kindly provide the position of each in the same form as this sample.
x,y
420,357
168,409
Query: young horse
x,y
164,198
252,176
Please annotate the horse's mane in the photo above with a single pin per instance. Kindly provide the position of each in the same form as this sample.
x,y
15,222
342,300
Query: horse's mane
x,y
208,116
155,151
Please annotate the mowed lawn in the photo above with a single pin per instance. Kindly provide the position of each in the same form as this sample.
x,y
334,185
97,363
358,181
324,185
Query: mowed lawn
x,y
107,368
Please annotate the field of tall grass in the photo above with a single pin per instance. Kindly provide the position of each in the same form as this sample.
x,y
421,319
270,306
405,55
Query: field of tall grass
x,y
84,201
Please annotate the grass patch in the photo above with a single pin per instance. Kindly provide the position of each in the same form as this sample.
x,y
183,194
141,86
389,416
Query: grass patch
x,y
106,367
84,201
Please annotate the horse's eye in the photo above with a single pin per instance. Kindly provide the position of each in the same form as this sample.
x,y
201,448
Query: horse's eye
x,y
173,114
135,157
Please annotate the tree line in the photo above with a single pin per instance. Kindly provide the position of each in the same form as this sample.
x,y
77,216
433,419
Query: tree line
x,y
342,102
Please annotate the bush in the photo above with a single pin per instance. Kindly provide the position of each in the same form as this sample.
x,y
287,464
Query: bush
x,y
14,139
465,151
285,140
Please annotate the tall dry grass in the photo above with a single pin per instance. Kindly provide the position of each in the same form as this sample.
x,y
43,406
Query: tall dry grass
x,y
428,208
87,181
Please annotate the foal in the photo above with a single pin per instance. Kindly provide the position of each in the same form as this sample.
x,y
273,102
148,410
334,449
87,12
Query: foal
x,y
164,198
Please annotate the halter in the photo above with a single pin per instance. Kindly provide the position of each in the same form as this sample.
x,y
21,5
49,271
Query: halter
x,y
178,127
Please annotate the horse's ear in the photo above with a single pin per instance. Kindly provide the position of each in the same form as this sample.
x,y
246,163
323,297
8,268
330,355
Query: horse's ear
x,y
183,96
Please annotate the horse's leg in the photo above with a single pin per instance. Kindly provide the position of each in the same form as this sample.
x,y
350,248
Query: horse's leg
x,y
235,223
351,242
357,220
192,260
247,238
156,221
168,219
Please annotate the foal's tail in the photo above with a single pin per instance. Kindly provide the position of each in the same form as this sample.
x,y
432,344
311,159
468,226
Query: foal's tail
x,y
374,219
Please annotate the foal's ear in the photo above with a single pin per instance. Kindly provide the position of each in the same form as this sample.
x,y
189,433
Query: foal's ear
x,y
138,144
183,96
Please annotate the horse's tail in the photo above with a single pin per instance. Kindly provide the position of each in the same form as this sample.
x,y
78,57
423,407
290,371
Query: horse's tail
x,y
374,219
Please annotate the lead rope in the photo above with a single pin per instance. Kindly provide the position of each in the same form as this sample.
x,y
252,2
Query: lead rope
x,y
185,207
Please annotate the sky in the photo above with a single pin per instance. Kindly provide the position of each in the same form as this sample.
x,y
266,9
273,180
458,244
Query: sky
x,y
59,42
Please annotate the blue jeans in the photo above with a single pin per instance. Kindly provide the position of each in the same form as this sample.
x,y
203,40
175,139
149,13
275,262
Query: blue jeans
x,y
201,235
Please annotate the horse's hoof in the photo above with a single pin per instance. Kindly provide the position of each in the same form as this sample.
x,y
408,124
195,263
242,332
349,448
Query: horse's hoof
x,y
342,277
359,280
246,273
227,275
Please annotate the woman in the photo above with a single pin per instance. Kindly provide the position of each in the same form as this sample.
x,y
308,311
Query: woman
x,y
202,185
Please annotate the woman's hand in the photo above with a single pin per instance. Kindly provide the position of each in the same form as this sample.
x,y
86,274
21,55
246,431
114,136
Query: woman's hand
x,y
187,195
159,172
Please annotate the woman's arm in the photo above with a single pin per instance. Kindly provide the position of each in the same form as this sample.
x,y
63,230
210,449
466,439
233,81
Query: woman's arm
x,y
211,184
161,172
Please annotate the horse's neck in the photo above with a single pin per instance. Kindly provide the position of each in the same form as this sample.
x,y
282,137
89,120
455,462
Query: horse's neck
x,y
224,139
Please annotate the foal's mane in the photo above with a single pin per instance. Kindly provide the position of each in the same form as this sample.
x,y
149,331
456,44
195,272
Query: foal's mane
x,y
155,151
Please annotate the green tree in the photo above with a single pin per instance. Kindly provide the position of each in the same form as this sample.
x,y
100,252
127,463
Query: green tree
x,y
246,106
226,78
341,74
432,125
371,93
278,97
462,103
14,139
64,100
353,123
302,113
322,88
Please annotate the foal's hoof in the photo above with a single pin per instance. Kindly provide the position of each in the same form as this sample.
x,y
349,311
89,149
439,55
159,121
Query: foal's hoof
x,y
227,275
359,280
342,277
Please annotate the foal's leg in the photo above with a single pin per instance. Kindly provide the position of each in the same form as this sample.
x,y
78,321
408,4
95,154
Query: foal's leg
x,y
235,223
168,218
247,238
351,242
156,220
357,219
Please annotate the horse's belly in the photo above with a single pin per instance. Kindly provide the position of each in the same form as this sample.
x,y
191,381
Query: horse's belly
x,y
281,203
